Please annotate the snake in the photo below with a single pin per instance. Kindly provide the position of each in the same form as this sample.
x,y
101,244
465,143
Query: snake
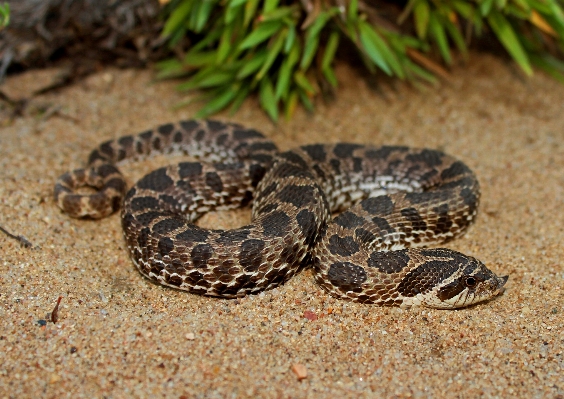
x,y
363,217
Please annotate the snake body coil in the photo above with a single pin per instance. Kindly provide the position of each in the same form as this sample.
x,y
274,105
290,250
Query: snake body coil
x,y
390,200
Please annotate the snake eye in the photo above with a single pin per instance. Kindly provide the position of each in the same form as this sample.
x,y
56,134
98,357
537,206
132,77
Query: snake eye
x,y
470,282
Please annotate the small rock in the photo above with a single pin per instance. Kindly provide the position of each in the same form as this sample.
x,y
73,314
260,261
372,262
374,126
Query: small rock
x,y
311,316
190,336
103,297
300,370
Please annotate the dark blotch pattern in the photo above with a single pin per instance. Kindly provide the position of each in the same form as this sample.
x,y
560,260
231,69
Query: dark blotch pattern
x,y
425,277
389,262
336,165
316,152
229,237
213,181
294,158
141,203
299,196
167,225
430,158
95,156
220,140
189,125
117,184
200,134
276,224
189,169
285,170
267,209
343,246
266,146
465,182
106,170
215,126
106,148
357,164
347,276
456,169
244,134
126,141
349,220
256,172
384,152
166,130
166,245
378,206
146,218
157,143
427,196
345,150
469,198
250,255
146,135
265,159
193,234
319,172
308,225
170,200
269,189
157,180
201,254
143,237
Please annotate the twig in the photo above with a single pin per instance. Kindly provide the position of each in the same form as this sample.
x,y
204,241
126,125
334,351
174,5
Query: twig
x,y
427,63
54,316
21,239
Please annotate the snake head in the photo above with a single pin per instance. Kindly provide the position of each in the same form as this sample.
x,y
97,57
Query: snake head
x,y
469,289
464,282
475,283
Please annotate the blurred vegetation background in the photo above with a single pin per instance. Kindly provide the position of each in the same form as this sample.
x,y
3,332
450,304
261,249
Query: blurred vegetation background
x,y
285,50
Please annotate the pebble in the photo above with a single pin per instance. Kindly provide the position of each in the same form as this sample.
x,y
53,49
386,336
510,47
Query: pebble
x,y
300,371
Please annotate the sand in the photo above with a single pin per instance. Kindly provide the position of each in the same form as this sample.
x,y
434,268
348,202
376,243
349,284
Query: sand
x,y
120,336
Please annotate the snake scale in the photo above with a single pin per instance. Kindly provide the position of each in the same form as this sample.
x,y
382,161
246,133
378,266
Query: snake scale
x,y
390,201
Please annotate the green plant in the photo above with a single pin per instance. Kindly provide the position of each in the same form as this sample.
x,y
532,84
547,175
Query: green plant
x,y
284,50
4,15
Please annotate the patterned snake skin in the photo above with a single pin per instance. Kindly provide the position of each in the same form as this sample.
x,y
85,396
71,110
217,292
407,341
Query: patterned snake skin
x,y
390,201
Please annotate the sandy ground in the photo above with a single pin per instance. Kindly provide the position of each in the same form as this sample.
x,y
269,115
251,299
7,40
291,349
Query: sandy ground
x,y
120,336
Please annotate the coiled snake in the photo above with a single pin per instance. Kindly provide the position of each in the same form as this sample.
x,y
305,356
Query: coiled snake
x,y
390,200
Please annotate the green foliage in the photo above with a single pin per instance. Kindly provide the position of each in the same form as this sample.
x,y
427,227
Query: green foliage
x,y
284,50
4,15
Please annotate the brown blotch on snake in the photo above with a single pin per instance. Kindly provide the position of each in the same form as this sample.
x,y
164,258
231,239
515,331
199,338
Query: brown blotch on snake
x,y
391,201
